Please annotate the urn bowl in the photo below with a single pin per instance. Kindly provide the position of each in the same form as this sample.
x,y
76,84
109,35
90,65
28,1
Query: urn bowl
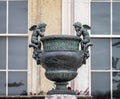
x,y
61,57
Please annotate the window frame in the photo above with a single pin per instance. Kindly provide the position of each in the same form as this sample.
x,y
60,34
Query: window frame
x,y
110,37
7,35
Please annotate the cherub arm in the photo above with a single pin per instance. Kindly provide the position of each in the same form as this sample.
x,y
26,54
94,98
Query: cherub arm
x,y
32,27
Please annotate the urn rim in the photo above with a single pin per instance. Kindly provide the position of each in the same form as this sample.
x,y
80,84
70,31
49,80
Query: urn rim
x,y
52,37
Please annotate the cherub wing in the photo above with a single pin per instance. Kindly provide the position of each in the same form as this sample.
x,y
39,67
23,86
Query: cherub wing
x,y
32,27
87,26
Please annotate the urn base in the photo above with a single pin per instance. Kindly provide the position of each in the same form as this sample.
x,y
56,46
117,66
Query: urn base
x,y
54,91
61,89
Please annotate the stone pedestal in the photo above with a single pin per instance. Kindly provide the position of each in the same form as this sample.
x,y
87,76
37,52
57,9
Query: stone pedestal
x,y
59,96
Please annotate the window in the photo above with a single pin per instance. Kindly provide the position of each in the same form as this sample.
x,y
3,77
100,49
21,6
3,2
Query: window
x,y
105,52
13,47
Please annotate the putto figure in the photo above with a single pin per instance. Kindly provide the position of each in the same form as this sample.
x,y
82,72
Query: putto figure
x,y
38,31
81,30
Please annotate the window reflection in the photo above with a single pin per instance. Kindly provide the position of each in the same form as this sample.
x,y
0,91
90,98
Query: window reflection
x,y
116,54
2,83
116,85
17,53
116,18
17,83
100,54
100,0
115,0
17,17
100,86
100,18
2,17
2,53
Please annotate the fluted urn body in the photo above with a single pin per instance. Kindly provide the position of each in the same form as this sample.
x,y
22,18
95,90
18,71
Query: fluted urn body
x,y
61,56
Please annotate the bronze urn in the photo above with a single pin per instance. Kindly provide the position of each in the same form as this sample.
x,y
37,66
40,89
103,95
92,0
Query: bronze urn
x,y
62,55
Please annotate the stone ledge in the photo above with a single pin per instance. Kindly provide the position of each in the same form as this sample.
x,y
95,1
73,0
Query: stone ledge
x,y
37,97
84,97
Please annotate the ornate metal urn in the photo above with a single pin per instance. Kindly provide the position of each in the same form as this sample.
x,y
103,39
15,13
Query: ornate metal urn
x,y
62,55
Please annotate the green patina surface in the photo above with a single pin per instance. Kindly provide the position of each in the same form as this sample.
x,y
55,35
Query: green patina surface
x,y
61,45
60,42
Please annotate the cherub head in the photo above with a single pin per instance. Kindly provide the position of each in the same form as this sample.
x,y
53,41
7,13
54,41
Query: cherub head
x,y
42,27
77,26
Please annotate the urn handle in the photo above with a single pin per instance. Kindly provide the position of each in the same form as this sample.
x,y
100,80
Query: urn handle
x,y
38,31
82,32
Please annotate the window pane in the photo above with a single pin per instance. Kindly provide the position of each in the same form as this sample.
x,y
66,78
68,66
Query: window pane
x,y
17,53
100,54
2,83
17,83
100,0
116,54
116,85
115,0
2,53
100,85
18,17
116,18
100,18
2,17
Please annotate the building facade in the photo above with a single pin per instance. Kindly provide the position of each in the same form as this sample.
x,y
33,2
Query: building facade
x,y
100,77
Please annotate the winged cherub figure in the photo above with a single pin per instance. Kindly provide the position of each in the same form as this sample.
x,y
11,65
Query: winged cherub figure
x,y
81,31
38,31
